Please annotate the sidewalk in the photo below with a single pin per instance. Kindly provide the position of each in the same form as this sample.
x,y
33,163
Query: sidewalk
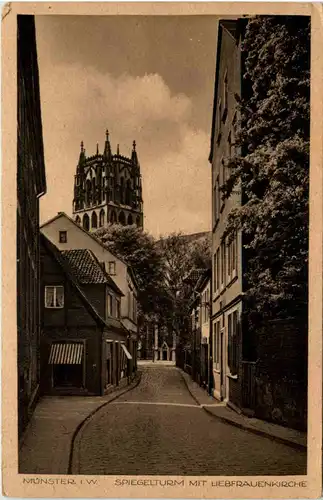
x,y
290,437
46,444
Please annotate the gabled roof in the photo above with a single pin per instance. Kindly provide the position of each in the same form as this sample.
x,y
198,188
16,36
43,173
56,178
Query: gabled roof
x,y
87,269
64,265
203,280
63,214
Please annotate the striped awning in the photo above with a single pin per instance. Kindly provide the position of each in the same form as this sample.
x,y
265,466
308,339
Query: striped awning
x,y
125,350
66,354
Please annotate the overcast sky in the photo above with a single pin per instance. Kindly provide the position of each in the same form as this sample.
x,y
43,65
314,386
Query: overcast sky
x,y
145,78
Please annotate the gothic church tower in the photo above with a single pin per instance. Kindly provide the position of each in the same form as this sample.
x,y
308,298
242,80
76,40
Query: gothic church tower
x,y
107,189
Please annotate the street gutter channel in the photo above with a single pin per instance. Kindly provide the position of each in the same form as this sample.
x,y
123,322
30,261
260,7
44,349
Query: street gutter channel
x,y
86,419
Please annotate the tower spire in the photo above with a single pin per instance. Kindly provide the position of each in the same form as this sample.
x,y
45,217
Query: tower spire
x,y
107,147
134,156
82,157
97,148
118,149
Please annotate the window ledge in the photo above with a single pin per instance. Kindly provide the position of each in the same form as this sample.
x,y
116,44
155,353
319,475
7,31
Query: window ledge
x,y
233,280
233,377
217,371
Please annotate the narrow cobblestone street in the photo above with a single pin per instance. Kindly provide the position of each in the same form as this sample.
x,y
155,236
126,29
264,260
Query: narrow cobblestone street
x,y
158,428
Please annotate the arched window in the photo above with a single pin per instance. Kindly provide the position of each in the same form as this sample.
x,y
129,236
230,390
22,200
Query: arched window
x,y
93,192
78,220
113,217
130,221
128,193
94,221
86,222
88,193
122,218
122,191
101,223
138,221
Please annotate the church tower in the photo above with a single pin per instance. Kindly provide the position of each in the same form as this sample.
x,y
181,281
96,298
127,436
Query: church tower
x,y
107,189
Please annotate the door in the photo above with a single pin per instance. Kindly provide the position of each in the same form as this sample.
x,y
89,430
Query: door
x,y
223,365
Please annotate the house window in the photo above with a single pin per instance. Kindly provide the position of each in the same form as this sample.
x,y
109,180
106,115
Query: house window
x,y
223,263
216,346
130,304
63,236
225,97
232,257
135,310
109,347
217,267
216,200
54,297
112,267
110,305
118,312
233,342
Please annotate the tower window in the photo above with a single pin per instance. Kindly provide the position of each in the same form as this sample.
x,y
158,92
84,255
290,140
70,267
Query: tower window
x,y
101,223
94,220
63,236
86,222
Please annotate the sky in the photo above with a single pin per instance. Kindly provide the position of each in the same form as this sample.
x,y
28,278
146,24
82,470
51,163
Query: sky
x,y
144,78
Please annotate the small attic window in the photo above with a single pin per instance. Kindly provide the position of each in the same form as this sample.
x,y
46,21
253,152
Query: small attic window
x,y
63,236
112,267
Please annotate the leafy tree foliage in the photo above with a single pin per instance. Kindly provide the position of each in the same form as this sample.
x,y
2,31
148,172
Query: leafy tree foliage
x,y
271,164
182,254
138,249
160,268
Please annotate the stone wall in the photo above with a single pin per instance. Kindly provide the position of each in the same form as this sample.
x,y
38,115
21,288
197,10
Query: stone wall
x,y
281,373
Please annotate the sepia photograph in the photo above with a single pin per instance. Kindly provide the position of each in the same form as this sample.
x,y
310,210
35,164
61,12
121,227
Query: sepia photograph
x,y
162,249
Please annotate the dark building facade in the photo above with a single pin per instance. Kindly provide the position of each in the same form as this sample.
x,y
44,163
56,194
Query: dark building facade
x,y
107,189
84,348
31,185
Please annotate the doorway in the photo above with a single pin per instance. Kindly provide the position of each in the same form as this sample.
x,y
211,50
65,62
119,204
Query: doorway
x,y
222,366
68,376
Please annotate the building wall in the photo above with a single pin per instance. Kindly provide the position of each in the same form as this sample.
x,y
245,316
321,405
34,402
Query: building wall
x,y
78,239
31,184
91,336
227,284
71,322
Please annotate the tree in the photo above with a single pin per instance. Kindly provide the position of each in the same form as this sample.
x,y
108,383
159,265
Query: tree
x,y
271,165
138,250
182,254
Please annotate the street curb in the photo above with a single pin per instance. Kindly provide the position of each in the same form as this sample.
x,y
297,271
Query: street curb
x,y
188,388
253,430
93,412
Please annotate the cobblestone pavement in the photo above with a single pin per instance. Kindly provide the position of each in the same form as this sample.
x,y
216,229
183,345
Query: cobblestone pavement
x,y
158,428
